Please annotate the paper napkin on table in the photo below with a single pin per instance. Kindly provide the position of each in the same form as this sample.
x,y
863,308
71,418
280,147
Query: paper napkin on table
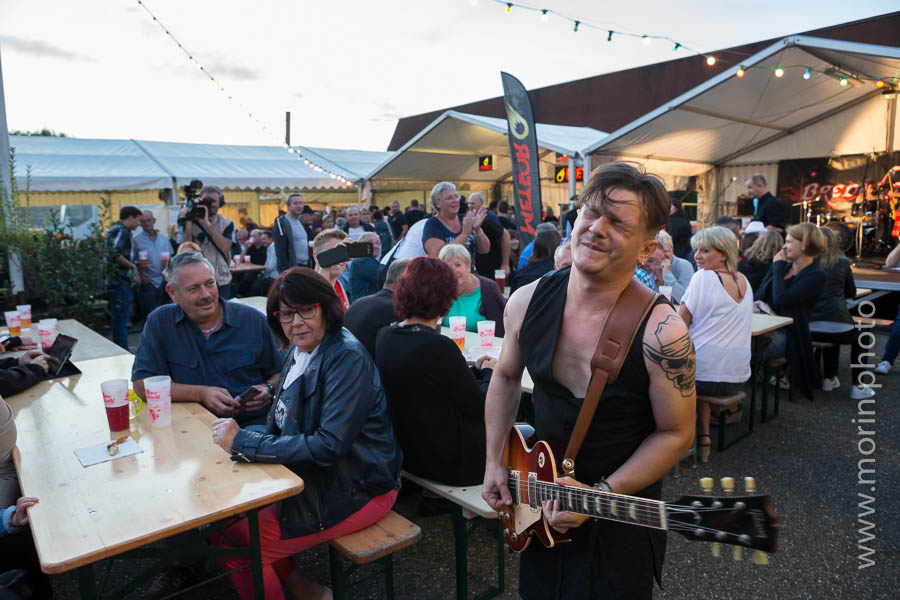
x,y
98,453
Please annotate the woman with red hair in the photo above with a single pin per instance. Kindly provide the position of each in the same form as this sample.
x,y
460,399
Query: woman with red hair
x,y
438,408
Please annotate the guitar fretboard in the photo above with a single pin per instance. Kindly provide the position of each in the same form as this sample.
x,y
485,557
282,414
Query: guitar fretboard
x,y
594,503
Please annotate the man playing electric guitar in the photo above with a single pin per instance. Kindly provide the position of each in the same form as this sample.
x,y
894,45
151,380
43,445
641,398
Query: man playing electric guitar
x,y
645,419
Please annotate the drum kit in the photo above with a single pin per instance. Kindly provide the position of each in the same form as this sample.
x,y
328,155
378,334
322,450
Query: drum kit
x,y
873,225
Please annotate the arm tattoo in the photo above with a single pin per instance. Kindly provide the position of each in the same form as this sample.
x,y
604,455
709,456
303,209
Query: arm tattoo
x,y
676,359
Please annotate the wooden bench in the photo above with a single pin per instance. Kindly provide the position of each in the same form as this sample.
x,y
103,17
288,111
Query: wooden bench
x,y
376,543
870,322
720,405
468,510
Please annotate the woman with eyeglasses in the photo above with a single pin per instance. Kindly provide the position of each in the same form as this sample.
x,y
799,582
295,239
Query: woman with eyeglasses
x,y
329,424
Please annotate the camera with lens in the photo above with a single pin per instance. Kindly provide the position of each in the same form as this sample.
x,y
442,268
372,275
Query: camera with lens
x,y
196,206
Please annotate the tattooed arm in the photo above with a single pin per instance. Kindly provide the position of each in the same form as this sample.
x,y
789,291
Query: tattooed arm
x,y
669,357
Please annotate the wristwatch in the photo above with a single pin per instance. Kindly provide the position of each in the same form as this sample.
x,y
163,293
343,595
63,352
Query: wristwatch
x,y
271,390
602,485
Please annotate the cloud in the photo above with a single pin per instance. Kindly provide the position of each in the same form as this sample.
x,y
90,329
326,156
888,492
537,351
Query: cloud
x,y
387,111
227,70
39,48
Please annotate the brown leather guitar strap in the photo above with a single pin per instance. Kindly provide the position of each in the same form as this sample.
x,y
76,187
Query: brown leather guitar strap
x,y
616,338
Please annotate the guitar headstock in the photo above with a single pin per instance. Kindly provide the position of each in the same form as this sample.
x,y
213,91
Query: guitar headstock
x,y
744,521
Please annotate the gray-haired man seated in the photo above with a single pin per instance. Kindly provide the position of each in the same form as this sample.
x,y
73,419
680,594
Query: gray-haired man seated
x,y
213,350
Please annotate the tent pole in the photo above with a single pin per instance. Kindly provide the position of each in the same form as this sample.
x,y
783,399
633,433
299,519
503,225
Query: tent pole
x,y
571,176
16,280
892,119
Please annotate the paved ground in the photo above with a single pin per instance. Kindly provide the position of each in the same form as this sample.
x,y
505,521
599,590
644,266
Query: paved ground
x,y
806,459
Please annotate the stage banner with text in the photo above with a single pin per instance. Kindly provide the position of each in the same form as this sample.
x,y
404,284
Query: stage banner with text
x,y
526,168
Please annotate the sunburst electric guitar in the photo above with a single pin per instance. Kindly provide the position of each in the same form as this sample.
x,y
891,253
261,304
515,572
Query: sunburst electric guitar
x,y
747,521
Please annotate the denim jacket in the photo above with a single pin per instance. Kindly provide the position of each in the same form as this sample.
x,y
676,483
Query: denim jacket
x,y
337,436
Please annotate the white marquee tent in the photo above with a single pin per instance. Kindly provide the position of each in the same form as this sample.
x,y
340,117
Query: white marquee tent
x,y
71,164
449,148
730,127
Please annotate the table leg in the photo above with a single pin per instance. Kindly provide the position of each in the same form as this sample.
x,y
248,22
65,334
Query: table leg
x,y
461,541
87,582
259,590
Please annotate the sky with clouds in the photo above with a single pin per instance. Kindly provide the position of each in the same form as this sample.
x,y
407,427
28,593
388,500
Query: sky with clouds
x,y
347,70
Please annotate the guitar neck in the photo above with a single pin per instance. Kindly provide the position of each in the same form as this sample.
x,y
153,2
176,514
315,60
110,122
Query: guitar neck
x,y
593,503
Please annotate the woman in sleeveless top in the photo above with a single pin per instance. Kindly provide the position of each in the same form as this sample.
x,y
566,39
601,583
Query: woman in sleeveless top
x,y
329,424
717,307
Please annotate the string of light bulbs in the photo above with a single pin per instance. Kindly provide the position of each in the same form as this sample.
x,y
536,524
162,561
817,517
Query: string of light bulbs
x,y
269,133
843,78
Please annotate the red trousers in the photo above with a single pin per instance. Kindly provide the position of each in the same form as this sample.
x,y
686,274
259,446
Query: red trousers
x,y
276,552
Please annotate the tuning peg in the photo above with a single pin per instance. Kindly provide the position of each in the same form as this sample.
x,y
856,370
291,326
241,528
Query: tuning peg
x,y
760,558
716,549
737,553
727,484
749,485
706,484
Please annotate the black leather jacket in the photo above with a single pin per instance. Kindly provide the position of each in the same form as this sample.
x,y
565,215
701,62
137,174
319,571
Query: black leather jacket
x,y
337,436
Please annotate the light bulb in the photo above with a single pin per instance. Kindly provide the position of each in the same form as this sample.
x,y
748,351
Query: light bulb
x,y
879,83
843,81
740,72
779,72
508,7
711,60
808,73
646,40
544,15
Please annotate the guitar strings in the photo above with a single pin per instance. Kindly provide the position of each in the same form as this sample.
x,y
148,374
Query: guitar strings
x,y
645,507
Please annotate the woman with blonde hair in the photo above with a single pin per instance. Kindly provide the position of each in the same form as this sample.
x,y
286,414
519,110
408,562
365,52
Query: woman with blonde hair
x,y
758,257
717,307
478,298
830,321
792,287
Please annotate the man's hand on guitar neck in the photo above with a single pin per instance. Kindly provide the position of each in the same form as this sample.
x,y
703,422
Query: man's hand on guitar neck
x,y
559,519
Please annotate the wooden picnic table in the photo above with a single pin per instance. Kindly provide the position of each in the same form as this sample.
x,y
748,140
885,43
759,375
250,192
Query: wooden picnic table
x,y
181,481
90,343
766,323
251,268
887,279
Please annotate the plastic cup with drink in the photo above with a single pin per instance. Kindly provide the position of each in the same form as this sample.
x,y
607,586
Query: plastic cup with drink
x,y
25,315
13,322
164,257
159,400
246,260
47,331
115,399
486,333
500,278
458,332
143,259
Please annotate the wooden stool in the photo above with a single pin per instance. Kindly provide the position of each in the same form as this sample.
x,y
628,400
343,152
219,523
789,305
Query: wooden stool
x,y
377,542
817,350
867,322
774,367
720,405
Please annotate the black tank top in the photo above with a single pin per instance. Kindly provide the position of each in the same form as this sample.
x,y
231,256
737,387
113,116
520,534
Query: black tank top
x,y
624,416
605,559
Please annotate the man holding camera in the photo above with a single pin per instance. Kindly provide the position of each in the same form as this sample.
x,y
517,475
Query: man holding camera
x,y
290,236
214,233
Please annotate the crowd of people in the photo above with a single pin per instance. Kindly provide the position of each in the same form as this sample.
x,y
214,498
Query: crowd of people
x,y
322,381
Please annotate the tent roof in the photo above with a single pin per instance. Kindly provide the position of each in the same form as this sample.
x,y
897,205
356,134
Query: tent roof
x,y
450,146
70,164
240,167
760,118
